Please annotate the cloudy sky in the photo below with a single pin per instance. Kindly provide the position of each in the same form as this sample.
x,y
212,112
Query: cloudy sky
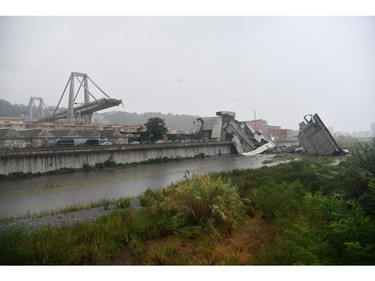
x,y
280,68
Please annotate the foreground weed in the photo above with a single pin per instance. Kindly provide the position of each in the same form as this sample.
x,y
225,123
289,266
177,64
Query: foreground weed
x,y
203,199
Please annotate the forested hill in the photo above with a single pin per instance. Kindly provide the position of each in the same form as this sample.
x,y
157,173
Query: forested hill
x,y
171,120
114,117
9,110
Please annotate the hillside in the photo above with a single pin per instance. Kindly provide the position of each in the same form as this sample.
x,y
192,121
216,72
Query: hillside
x,y
9,110
126,118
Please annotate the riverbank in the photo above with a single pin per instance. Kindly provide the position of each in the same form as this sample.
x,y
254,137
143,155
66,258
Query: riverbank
x,y
109,164
87,215
71,218
90,212
36,195
42,161
283,215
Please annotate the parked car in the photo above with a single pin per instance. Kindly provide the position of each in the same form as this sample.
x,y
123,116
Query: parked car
x,y
106,143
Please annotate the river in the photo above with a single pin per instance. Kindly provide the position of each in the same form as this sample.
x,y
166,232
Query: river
x,y
46,193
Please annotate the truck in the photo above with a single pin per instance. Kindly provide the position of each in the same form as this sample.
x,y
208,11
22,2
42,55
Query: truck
x,y
92,142
65,143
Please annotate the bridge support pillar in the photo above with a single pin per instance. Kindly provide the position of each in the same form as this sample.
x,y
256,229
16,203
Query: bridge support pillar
x,y
71,100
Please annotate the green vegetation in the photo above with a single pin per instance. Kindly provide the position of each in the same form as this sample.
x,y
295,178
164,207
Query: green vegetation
x,y
155,130
302,212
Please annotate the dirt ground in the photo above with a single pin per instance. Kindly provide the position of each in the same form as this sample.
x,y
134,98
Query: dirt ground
x,y
86,216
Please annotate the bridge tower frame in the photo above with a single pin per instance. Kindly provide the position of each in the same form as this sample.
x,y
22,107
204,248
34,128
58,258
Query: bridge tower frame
x,y
73,96
40,109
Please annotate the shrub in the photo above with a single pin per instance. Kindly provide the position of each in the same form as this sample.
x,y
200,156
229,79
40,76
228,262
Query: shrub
x,y
201,200
363,157
14,250
151,197
355,180
279,201
123,202
87,167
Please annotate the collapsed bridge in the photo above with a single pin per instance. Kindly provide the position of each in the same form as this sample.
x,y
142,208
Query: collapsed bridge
x,y
315,138
83,112
225,127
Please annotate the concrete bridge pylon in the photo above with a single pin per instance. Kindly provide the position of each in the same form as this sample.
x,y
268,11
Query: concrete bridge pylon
x,y
40,110
83,112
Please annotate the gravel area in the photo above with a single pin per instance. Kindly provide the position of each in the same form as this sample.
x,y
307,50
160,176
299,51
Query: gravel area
x,y
85,216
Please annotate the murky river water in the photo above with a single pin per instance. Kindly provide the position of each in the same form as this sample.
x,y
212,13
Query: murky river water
x,y
57,191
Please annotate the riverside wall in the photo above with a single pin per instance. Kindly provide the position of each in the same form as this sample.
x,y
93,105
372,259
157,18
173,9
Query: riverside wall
x,y
45,160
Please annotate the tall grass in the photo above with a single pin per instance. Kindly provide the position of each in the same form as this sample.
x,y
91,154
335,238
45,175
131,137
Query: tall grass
x,y
202,199
184,209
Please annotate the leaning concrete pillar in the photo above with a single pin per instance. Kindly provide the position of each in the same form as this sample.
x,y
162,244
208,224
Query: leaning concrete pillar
x,y
87,97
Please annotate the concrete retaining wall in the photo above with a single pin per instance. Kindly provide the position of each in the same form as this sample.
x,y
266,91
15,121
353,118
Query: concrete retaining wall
x,y
42,161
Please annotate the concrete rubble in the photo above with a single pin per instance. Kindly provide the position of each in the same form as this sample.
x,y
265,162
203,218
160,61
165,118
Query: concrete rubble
x,y
315,138
225,127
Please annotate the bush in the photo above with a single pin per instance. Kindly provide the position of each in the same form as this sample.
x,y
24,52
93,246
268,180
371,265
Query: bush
x,y
201,200
14,250
123,203
355,180
363,157
151,197
279,201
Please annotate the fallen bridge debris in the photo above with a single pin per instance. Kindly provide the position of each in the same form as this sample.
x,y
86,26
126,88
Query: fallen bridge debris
x,y
224,127
315,138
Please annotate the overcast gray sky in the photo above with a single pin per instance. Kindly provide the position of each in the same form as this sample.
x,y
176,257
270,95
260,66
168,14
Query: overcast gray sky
x,y
280,67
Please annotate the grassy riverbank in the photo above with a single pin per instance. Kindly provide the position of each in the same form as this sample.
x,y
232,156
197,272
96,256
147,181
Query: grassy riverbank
x,y
302,212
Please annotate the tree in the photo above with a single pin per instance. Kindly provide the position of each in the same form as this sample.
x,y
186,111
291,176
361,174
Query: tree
x,y
155,129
